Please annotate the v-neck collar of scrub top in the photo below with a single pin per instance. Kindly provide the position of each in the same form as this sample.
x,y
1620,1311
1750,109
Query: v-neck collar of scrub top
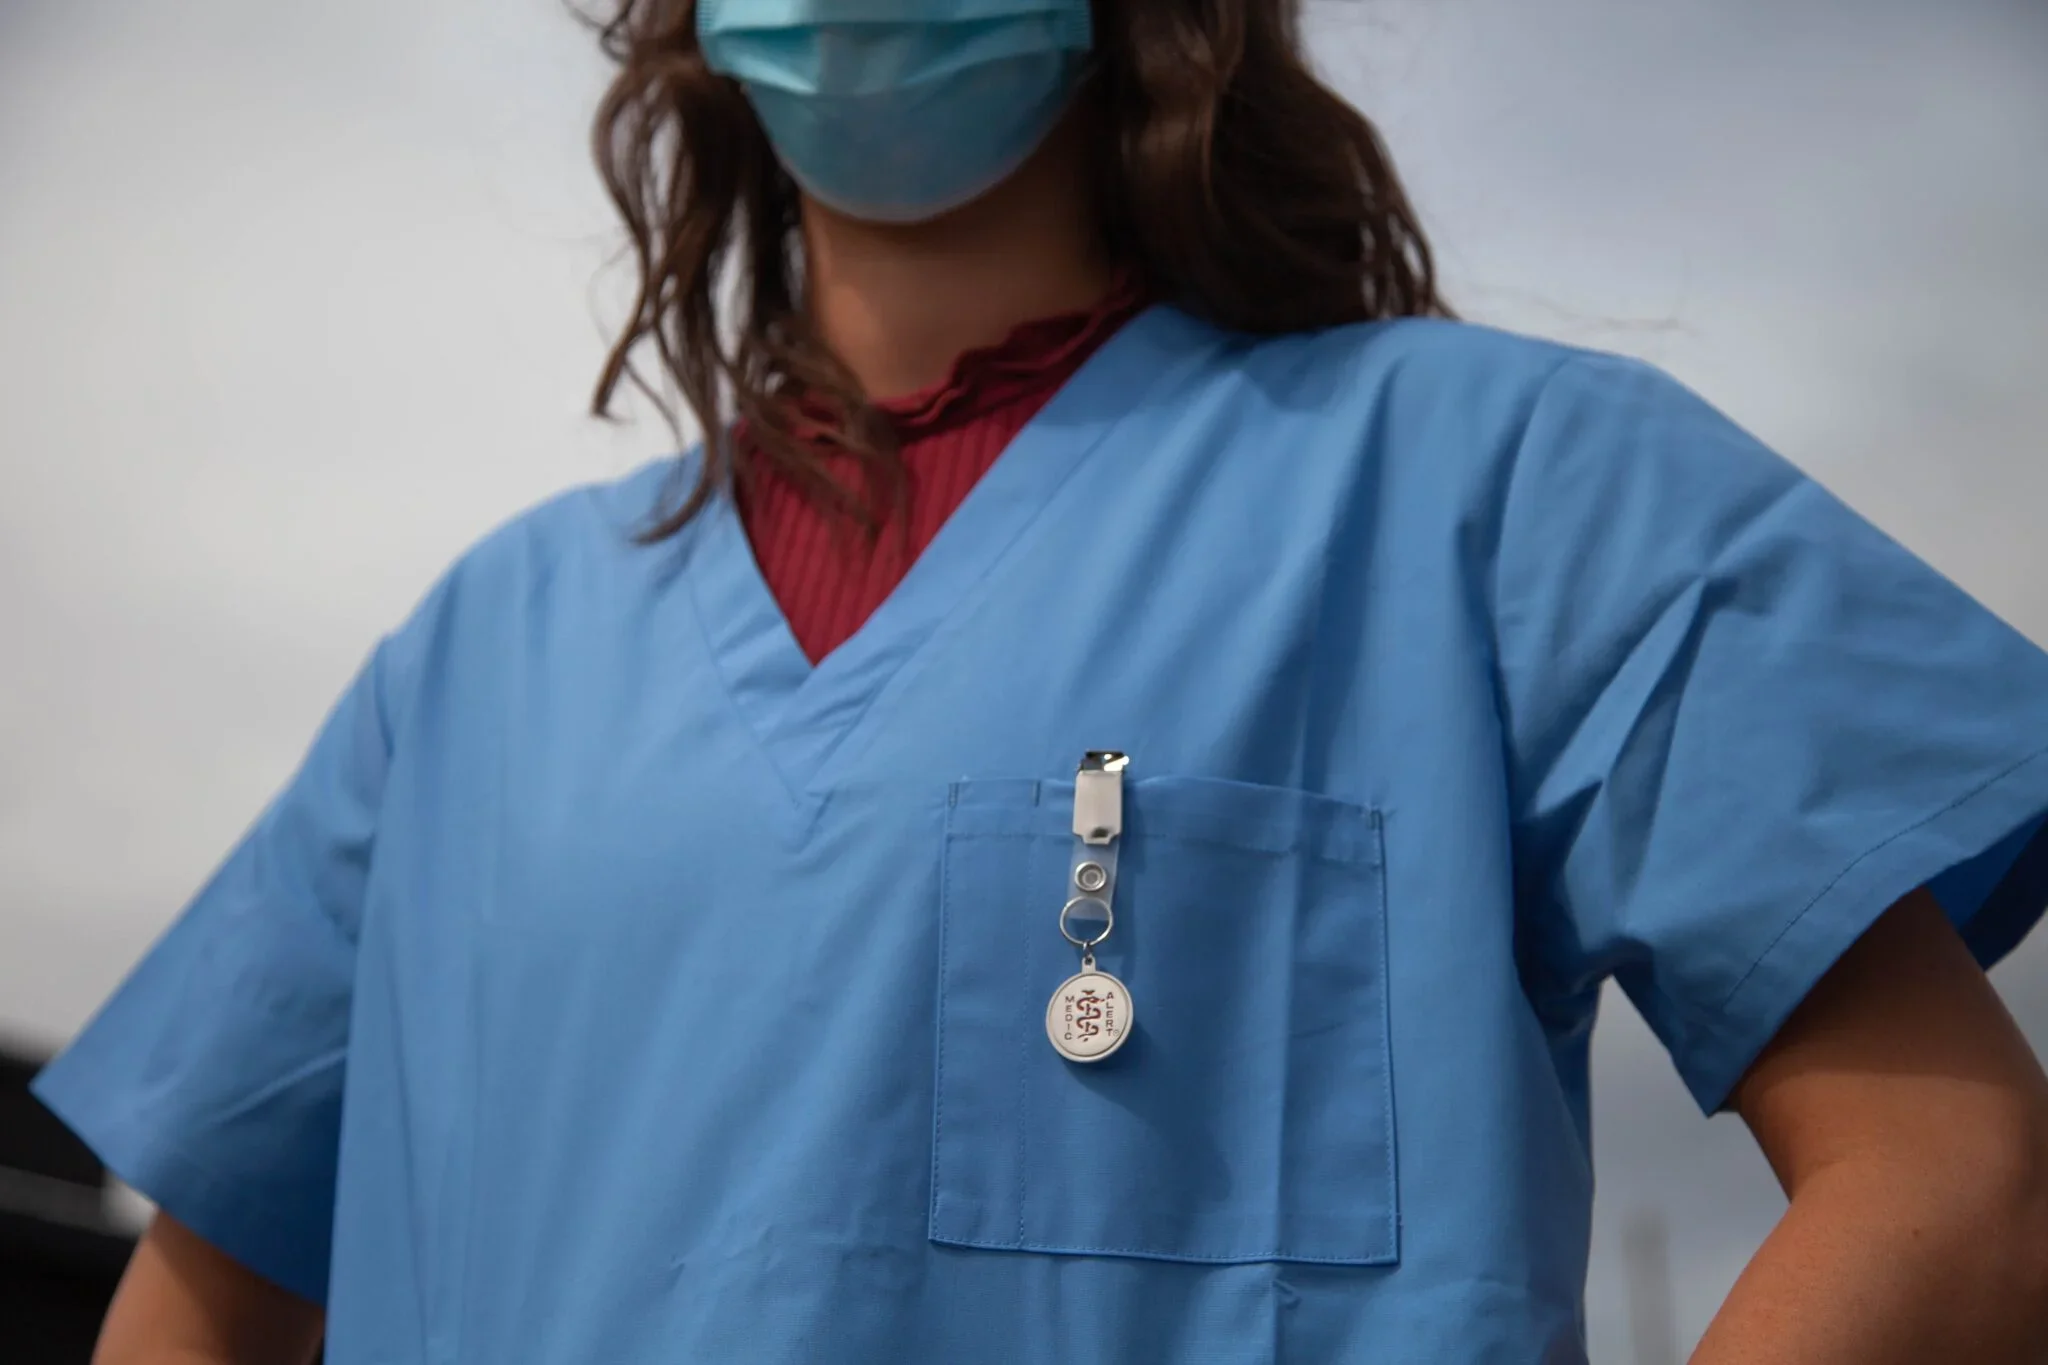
x,y
808,718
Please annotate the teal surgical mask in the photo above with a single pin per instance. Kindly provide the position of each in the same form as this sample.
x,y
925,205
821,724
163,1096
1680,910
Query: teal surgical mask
x,y
896,111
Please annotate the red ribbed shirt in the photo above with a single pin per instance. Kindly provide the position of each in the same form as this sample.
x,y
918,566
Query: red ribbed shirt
x,y
829,579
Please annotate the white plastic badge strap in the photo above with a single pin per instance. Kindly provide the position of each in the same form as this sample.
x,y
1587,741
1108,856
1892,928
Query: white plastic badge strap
x,y
1090,1015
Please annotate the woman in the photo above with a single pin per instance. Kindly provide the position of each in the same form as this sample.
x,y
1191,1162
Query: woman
x,y
1107,852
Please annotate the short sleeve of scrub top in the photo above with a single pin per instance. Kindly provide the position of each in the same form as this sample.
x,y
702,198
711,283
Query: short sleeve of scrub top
x,y
1743,722
212,1080
1530,671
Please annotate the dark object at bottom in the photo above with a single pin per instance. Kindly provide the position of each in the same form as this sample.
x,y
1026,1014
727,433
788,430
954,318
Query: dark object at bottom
x,y
60,1255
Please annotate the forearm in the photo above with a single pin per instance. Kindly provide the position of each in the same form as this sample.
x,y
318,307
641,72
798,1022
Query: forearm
x,y
183,1303
1871,1266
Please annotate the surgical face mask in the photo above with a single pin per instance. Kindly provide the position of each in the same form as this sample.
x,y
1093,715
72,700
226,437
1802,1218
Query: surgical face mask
x,y
896,111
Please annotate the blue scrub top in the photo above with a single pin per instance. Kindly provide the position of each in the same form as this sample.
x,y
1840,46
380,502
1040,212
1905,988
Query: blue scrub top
x,y
612,985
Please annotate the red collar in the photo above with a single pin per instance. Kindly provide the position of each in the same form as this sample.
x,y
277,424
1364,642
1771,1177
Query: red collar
x,y
1036,355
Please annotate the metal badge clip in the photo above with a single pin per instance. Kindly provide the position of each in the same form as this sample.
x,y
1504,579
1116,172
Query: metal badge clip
x,y
1090,1015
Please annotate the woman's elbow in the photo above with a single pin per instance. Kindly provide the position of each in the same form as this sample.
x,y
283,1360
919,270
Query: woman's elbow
x,y
2027,1180
1996,1192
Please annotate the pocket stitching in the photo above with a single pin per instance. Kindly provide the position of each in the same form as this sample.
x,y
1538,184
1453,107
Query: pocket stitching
x,y
1366,854
1023,1129
939,1043
1354,841
1391,1257
1386,987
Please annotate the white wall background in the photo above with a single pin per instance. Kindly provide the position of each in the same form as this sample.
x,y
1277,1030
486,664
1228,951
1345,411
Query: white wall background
x,y
295,301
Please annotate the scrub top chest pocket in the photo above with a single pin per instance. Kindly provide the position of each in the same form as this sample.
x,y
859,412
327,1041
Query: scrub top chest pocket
x,y
1249,1115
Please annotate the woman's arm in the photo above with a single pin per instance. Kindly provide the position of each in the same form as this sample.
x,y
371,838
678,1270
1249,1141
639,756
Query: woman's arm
x,y
183,1302
1907,1120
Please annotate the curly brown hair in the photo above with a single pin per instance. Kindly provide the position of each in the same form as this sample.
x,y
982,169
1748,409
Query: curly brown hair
x,y
1231,181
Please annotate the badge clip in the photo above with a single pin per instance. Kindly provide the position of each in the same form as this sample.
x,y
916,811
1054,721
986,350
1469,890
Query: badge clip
x,y
1090,1015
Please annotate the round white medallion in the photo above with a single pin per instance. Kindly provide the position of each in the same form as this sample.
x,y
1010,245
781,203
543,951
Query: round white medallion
x,y
1089,1016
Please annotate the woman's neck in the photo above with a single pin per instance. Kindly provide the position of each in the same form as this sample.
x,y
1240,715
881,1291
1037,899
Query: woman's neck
x,y
898,303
